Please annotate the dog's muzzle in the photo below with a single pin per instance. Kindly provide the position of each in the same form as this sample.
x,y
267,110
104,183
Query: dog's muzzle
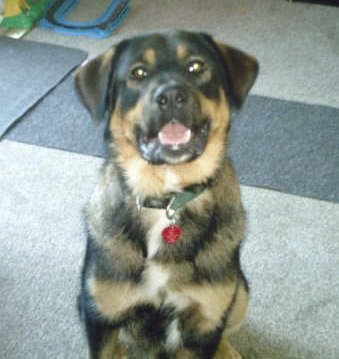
x,y
176,131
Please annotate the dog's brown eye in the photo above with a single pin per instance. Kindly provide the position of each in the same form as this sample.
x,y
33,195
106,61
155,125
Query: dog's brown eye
x,y
196,67
139,73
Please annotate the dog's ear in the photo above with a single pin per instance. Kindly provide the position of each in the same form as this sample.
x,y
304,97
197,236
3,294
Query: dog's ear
x,y
241,69
92,81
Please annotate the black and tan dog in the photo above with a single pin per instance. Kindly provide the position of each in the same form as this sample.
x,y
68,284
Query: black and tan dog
x,y
161,277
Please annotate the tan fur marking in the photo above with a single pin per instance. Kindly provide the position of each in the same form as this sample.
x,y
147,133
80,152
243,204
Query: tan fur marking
x,y
184,354
122,128
219,112
107,56
182,52
150,56
113,349
212,302
226,351
112,298
239,310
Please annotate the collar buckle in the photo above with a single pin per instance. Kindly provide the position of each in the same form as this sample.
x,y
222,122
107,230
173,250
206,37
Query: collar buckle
x,y
170,212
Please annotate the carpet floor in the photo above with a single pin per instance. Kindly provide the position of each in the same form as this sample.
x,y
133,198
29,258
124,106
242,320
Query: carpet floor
x,y
290,258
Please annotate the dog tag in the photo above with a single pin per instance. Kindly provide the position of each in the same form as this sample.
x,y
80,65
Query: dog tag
x,y
171,233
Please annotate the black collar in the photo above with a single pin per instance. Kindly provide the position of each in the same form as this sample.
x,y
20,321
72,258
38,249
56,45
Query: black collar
x,y
175,200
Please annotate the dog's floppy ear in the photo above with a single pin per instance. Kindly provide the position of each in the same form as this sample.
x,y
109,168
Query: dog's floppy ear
x,y
92,81
242,70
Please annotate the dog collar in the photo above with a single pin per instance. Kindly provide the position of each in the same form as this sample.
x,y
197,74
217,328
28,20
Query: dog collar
x,y
172,232
173,201
172,204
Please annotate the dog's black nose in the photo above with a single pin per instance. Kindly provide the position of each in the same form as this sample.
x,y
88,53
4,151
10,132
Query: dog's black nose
x,y
171,96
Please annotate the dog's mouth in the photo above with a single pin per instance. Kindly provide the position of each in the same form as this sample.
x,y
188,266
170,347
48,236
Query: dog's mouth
x,y
175,142
175,135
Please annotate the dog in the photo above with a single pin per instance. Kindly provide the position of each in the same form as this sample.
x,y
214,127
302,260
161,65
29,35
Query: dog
x,y
161,275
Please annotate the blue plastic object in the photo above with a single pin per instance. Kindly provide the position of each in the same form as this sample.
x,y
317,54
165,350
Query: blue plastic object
x,y
103,26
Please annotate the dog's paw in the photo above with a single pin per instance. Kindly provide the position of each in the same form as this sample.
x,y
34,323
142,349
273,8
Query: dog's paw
x,y
226,351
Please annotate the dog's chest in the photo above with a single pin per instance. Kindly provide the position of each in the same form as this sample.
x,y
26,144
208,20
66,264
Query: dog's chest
x,y
157,280
155,276
155,221
158,277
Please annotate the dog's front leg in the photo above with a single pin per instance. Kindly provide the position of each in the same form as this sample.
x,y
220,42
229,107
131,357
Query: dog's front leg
x,y
103,342
226,351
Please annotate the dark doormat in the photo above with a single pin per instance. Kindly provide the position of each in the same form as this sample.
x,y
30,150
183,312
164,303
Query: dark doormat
x,y
28,70
321,2
282,145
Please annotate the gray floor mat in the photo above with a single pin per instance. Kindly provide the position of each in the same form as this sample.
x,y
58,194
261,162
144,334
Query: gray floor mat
x,y
28,70
287,146
282,145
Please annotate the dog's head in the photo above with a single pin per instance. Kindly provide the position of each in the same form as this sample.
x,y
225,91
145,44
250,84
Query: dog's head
x,y
168,95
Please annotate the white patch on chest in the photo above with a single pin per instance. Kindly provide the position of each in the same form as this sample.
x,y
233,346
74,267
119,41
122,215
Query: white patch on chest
x,y
173,339
178,300
155,279
172,182
155,240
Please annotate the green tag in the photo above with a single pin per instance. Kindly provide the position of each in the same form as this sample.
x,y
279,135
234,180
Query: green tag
x,y
182,198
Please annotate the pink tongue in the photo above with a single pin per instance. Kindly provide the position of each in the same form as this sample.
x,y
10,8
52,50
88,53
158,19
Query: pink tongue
x,y
174,133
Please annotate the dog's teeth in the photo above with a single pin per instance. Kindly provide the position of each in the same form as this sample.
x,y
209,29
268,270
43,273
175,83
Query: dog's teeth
x,y
187,136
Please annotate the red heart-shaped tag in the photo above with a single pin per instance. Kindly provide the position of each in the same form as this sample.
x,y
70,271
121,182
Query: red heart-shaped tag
x,y
171,234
